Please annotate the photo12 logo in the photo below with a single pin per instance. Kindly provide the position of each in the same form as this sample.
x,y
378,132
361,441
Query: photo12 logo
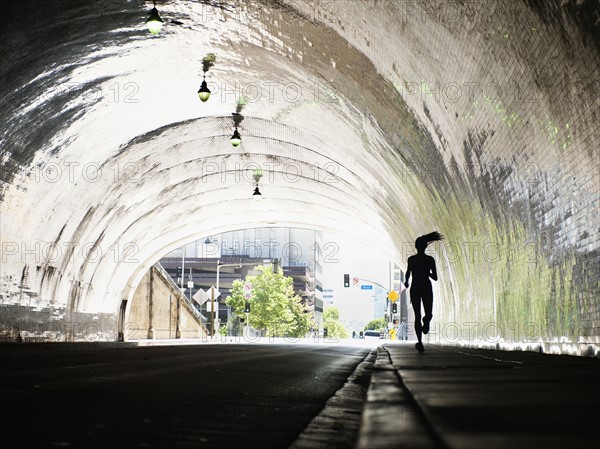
x,y
90,172
290,172
271,92
53,253
291,252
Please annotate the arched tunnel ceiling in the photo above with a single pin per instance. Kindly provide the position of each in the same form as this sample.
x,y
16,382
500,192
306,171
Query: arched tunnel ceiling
x,y
382,120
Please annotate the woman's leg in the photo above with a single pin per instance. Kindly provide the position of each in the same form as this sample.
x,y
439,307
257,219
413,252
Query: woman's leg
x,y
428,306
415,299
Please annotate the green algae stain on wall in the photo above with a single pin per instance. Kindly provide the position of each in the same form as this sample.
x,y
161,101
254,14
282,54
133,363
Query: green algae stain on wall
x,y
496,276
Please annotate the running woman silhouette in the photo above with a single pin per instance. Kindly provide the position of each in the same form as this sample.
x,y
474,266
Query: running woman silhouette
x,y
422,267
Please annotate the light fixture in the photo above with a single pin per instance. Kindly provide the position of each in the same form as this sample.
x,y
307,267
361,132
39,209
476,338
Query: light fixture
x,y
154,22
256,176
207,62
236,139
204,92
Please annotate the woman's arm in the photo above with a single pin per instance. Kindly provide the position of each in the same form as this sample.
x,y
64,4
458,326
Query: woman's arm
x,y
433,274
407,275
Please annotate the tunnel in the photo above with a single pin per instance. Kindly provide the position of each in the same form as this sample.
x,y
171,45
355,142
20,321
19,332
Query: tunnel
x,y
379,120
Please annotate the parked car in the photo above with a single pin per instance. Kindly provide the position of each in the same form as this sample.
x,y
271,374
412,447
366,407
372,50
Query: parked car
x,y
370,335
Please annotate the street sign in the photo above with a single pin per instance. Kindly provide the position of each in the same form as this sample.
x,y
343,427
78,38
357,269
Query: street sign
x,y
201,297
393,295
366,287
209,293
247,290
355,280
209,306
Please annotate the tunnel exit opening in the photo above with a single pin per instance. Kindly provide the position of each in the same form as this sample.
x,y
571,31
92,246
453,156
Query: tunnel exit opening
x,y
307,264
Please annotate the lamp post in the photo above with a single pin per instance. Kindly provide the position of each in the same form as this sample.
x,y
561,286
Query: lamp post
x,y
212,313
182,267
190,284
219,266
212,297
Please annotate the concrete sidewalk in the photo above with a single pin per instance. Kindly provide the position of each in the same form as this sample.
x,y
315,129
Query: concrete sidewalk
x,y
472,398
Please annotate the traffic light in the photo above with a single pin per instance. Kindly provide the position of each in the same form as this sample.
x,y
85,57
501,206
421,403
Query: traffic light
x,y
325,332
395,321
247,309
394,307
346,280
178,275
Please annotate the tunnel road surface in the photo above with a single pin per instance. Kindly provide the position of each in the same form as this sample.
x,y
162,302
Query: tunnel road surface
x,y
213,396
466,398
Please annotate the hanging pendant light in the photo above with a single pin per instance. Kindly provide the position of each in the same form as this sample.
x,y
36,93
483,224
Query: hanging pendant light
x,y
204,92
236,139
257,175
154,22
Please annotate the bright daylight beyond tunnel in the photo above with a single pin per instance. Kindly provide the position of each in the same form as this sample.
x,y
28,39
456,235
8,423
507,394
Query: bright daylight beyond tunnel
x,y
154,157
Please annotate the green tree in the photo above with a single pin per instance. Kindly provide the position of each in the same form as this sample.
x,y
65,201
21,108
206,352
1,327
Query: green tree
x,y
331,322
376,325
275,309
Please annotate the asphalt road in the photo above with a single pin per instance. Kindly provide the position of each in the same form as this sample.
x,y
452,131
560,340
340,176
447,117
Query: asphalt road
x,y
478,398
208,396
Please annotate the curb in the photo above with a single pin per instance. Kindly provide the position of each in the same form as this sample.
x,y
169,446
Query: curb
x,y
391,417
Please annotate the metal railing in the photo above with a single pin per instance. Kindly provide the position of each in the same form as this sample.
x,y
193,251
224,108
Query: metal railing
x,y
185,299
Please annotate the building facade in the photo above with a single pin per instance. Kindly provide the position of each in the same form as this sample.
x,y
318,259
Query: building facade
x,y
221,259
